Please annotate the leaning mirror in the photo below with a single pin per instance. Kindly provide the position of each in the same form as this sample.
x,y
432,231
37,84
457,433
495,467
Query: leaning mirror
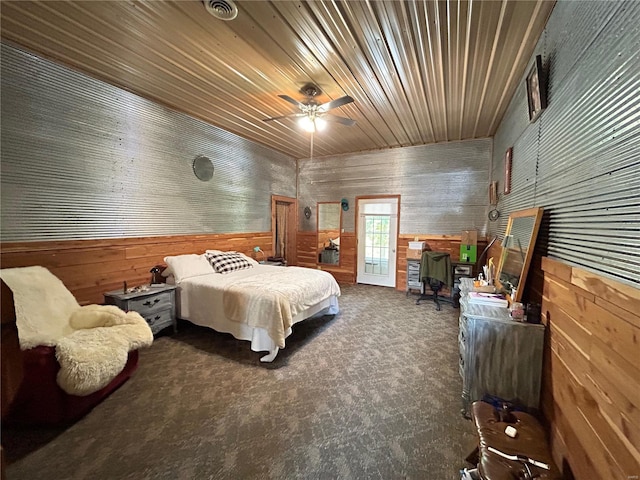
x,y
517,250
329,226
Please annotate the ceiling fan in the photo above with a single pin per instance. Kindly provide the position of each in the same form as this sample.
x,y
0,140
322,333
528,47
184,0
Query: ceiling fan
x,y
313,116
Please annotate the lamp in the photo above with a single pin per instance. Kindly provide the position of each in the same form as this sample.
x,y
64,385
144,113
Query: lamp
x,y
155,275
258,249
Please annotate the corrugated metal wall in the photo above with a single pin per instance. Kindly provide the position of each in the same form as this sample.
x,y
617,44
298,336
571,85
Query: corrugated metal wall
x,y
581,159
443,187
82,159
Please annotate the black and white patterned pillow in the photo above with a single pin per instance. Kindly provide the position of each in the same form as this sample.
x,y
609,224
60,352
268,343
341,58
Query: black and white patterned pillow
x,y
228,262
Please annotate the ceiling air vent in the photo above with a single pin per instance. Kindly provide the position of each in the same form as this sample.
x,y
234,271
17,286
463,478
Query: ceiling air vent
x,y
222,9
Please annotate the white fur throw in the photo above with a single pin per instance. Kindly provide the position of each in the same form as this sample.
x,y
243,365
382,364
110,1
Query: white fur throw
x,y
92,342
43,305
97,352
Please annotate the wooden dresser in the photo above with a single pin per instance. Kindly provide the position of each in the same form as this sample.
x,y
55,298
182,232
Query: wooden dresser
x,y
498,356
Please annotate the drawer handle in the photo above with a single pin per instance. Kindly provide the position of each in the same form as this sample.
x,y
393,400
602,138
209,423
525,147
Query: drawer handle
x,y
157,317
148,302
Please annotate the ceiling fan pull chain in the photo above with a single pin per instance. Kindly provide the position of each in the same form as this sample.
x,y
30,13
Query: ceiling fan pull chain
x,y
311,154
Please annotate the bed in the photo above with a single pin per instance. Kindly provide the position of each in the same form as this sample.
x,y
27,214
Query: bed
x,y
258,303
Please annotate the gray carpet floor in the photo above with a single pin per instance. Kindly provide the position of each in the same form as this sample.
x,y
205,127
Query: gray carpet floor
x,y
371,393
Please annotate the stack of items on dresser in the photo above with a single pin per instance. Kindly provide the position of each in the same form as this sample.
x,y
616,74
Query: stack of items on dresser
x,y
485,298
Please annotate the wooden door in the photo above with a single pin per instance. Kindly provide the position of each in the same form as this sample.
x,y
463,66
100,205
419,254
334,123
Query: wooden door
x,y
284,220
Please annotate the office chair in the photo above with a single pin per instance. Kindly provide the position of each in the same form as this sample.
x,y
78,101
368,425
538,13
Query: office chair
x,y
435,271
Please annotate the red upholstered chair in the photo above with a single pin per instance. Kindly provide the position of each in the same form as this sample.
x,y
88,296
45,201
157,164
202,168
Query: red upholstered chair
x,y
40,401
30,393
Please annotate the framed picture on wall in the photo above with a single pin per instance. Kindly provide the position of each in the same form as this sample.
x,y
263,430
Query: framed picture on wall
x,y
508,158
536,90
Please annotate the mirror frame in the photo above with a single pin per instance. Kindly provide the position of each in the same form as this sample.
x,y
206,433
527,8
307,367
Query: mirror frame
x,y
536,214
338,206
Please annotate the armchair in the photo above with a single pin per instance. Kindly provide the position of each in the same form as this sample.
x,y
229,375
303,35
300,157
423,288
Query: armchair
x,y
69,357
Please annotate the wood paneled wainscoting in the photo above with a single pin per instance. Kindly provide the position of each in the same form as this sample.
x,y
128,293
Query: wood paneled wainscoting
x,y
438,243
89,268
308,255
591,376
308,245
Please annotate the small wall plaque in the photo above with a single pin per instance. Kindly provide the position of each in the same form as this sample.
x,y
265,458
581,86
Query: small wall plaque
x,y
203,168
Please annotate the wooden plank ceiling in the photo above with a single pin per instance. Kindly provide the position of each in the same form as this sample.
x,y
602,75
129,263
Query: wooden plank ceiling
x,y
419,71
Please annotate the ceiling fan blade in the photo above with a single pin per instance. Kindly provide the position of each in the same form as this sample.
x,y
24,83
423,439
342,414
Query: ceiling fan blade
x,y
338,102
292,101
291,115
335,118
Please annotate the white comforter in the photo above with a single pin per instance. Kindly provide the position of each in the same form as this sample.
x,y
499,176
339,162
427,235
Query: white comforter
x,y
270,300
264,297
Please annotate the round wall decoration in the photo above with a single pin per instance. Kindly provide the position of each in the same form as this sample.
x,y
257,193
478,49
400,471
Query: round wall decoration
x,y
494,215
345,204
307,213
203,168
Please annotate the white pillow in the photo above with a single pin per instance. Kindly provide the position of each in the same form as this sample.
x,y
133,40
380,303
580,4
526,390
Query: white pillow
x,y
247,258
186,266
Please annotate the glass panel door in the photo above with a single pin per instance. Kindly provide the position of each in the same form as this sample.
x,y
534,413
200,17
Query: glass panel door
x,y
377,237
376,244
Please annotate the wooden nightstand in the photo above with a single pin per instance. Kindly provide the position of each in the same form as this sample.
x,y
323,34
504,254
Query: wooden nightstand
x,y
156,305
276,263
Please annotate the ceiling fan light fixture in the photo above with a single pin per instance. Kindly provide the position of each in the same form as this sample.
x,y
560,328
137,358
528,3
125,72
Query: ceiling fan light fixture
x,y
307,124
221,9
320,123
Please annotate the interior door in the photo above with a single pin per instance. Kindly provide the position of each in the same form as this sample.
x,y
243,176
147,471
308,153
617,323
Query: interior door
x,y
283,228
377,240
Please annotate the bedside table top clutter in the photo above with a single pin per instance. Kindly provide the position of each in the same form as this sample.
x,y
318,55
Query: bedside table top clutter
x,y
140,290
156,304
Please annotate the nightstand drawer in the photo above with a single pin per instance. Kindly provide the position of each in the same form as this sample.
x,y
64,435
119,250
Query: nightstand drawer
x,y
156,304
151,303
158,320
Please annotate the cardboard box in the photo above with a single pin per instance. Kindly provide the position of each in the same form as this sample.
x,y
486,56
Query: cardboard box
x,y
469,237
414,253
416,245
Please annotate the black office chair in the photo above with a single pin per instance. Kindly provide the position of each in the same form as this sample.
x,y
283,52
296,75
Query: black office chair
x,y
435,271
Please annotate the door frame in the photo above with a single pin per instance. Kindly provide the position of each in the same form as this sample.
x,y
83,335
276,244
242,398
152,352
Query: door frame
x,y
292,227
357,222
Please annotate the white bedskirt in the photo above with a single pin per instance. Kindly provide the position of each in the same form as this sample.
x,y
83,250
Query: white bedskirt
x,y
259,337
